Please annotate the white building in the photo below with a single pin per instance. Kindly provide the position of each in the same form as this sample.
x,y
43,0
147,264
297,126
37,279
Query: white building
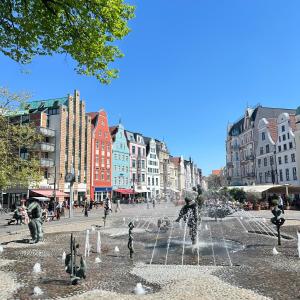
x,y
153,174
265,152
286,150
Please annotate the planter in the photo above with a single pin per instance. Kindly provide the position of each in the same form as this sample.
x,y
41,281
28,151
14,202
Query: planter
x,y
256,207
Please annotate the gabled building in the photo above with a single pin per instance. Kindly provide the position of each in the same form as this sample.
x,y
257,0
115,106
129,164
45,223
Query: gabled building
x,y
153,175
138,163
101,157
266,167
242,141
120,162
177,179
286,150
164,168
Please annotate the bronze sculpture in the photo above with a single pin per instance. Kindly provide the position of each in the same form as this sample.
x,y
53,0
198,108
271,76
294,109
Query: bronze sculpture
x,y
35,225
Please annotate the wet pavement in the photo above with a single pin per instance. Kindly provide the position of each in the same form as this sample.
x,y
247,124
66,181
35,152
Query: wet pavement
x,y
241,245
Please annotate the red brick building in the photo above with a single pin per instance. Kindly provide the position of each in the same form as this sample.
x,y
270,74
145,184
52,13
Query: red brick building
x,y
101,157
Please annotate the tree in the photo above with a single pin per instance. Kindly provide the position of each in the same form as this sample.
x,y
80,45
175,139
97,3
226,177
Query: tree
x,y
14,138
238,194
215,181
84,29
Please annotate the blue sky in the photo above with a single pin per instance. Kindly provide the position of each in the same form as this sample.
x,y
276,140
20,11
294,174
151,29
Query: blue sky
x,y
190,66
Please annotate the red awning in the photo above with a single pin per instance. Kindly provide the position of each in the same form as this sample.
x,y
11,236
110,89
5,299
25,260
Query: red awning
x,y
49,193
125,191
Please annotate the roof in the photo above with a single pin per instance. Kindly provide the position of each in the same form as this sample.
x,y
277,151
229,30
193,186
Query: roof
x,y
216,172
175,160
55,102
272,127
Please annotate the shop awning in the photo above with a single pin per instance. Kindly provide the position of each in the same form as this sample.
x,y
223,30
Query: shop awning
x,y
270,188
49,193
124,191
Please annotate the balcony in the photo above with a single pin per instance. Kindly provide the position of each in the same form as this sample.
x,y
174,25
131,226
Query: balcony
x,y
46,131
47,147
47,162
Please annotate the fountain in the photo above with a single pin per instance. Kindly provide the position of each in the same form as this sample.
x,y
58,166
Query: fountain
x,y
76,272
274,251
117,250
63,257
1,249
98,247
37,268
98,260
139,290
130,239
87,244
277,220
298,235
37,291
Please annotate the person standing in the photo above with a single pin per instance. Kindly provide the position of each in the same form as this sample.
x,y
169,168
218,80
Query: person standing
x,y
58,210
86,208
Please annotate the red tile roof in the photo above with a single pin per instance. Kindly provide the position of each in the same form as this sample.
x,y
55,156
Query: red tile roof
x,y
273,129
175,160
216,172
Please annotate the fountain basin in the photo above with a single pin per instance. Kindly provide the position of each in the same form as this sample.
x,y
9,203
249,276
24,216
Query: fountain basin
x,y
205,248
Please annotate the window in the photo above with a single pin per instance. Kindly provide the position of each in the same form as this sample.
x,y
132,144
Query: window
x,y
100,133
279,138
294,173
287,174
267,148
291,145
152,181
261,151
97,160
271,160
133,177
143,164
293,157
286,159
284,137
144,152
102,146
279,161
148,180
108,147
288,135
143,177
266,176
108,176
133,149
263,136
280,175
97,145
133,163
259,163
265,162
156,181
284,147
102,175
139,151
283,128
279,148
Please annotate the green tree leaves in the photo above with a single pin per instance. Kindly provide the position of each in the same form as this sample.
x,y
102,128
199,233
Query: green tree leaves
x,y
84,29
14,137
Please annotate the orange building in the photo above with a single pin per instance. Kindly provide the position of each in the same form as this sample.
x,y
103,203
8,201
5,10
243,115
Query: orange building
x,y
101,157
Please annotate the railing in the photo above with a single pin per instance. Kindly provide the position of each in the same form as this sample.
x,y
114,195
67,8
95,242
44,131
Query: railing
x,y
46,131
47,147
47,162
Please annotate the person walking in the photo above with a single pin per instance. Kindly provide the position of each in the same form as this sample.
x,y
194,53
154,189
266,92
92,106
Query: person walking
x,y
58,210
86,208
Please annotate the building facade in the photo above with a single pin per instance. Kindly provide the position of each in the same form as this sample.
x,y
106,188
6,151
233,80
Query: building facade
x,y
286,150
241,144
164,168
65,148
120,161
138,163
153,174
101,157
266,168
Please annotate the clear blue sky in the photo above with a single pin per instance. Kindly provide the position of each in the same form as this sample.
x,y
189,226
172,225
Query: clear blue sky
x,y
190,66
